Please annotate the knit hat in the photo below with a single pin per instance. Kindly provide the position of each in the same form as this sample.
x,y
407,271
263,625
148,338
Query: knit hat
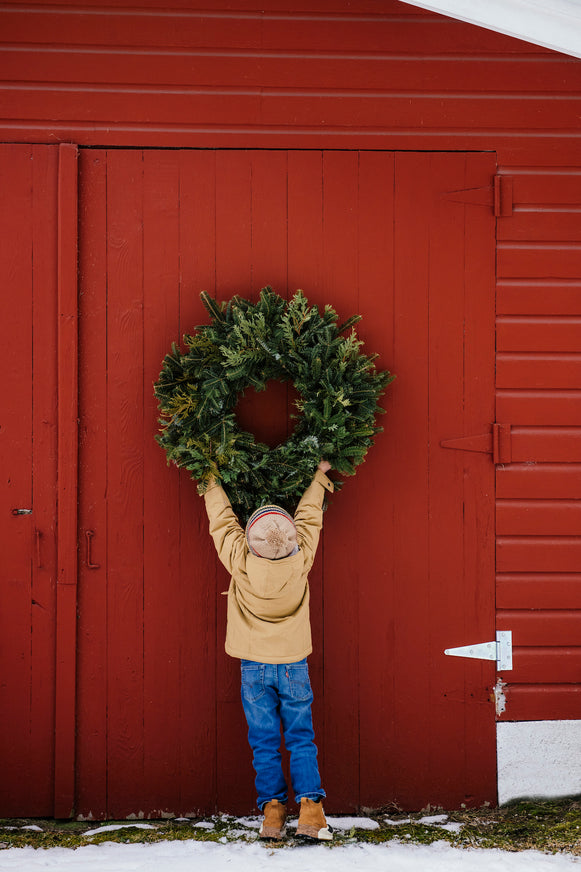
x,y
271,533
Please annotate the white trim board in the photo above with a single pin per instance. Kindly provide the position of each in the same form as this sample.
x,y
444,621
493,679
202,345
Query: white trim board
x,y
538,759
554,24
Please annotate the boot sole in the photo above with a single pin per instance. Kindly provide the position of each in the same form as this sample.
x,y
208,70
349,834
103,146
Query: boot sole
x,y
271,834
314,834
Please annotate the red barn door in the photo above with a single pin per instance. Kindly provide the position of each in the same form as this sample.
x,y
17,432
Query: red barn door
x,y
406,565
38,251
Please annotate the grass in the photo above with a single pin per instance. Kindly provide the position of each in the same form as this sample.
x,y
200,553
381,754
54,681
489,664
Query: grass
x,y
548,826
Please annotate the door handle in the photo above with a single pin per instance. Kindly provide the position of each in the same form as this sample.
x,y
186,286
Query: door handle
x,y
89,534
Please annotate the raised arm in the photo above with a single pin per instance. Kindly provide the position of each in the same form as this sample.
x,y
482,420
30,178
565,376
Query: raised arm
x,y
225,528
309,513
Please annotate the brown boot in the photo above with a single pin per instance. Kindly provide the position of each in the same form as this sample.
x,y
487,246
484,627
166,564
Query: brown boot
x,y
312,822
274,820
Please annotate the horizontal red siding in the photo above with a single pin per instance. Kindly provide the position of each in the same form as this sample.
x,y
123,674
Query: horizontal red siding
x,y
523,590
538,381
539,481
286,75
543,702
560,665
538,517
539,296
538,370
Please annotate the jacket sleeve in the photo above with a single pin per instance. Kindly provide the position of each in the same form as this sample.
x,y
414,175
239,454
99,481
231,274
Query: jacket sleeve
x,y
309,516
225,528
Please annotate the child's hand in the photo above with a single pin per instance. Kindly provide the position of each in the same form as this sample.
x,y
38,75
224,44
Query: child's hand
x,y
324,466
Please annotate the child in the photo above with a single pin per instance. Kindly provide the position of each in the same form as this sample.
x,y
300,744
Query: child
x,y
269,630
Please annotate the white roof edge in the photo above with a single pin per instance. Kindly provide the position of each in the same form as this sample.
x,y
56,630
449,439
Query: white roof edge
x,y
554,24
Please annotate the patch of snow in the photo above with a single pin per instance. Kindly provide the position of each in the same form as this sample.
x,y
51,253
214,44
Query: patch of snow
x,y
33,827
183,856
433,819
253,822
452,827
439,820
244,834
397,823
109,828
204,825
347,823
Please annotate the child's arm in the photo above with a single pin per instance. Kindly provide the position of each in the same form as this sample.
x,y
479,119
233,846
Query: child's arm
x,y
309,513
225,528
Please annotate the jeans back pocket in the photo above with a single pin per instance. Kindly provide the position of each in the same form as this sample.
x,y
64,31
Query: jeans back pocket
x,y
252,681
300,684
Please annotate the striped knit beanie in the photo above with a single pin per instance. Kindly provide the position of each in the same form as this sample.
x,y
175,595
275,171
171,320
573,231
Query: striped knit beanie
x,y
271,533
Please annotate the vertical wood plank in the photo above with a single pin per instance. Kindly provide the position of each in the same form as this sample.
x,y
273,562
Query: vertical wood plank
x,y
410,410
269,221
44,478
305,266
305,222
67,460
449,345
375,484
341,570
234,224
16,531
265,414
161,541
93,490
125,435
235,788
198,589
479,484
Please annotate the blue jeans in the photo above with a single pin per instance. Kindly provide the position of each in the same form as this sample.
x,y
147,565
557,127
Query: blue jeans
x,y
273,694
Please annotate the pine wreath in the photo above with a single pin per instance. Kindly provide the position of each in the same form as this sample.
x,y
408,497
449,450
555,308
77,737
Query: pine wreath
x,y
248,344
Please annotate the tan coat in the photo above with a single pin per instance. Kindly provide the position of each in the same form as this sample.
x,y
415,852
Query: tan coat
x,y
268,600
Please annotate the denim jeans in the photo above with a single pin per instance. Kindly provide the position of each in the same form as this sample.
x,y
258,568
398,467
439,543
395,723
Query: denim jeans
x,y
273,694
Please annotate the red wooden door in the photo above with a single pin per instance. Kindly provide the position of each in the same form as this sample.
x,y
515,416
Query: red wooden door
x,y
406,564
38,462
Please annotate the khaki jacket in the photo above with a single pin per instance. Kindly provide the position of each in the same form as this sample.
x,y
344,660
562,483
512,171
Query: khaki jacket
x,y
268,600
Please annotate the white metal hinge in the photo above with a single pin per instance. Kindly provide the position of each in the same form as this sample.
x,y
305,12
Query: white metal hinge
x,y
501,650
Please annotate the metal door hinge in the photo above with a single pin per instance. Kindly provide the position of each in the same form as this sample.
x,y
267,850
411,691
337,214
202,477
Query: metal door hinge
x,y
502,196
497,196
501,650
497,442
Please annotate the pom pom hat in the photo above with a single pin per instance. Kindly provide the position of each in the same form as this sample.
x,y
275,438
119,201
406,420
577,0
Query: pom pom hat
x,y
271,533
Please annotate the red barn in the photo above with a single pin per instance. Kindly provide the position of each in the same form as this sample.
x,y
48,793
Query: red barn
x,y
417,169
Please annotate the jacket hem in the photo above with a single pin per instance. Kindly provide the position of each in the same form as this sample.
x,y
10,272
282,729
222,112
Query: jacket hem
x,y
287,658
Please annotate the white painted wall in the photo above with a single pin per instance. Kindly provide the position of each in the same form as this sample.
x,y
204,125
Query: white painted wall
x,y
555,24
538,759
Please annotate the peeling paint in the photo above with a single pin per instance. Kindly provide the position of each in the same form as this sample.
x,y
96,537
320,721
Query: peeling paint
x,y
500,697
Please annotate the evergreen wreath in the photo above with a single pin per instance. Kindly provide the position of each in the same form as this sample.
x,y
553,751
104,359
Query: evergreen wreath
x,y
247,344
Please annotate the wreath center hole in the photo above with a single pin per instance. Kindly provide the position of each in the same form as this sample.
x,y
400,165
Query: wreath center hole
x,y
267,414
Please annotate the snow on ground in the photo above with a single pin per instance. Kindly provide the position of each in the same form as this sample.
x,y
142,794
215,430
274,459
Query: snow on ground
x,y
186,856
